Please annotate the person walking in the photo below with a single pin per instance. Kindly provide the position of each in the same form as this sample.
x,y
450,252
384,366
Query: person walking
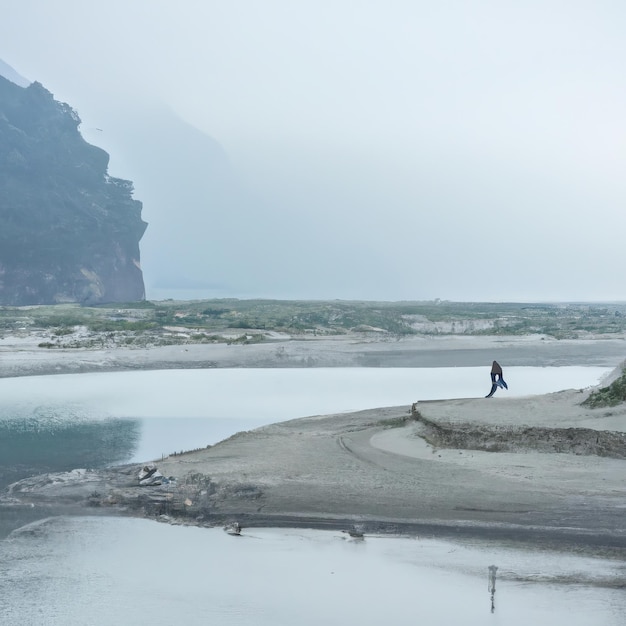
x,y
496,379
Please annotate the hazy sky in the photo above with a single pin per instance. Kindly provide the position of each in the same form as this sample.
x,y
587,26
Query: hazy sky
x,y
393,149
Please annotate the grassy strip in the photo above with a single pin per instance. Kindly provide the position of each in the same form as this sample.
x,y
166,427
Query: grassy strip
x,y
335,317
612,395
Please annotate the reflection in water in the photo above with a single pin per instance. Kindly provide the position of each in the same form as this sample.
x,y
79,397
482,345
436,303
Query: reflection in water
x,y
492,586
104,571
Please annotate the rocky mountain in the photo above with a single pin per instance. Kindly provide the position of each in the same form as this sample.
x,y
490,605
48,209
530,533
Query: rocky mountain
x,y
69,232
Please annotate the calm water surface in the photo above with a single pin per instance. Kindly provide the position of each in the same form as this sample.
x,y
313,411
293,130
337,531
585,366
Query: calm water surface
x,y
101,571
97,572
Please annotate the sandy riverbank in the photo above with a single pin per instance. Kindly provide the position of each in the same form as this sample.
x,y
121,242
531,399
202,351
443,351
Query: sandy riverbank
x,y
384,468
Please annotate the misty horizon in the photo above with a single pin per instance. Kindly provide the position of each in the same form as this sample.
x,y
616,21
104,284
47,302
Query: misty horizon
x,y
397,151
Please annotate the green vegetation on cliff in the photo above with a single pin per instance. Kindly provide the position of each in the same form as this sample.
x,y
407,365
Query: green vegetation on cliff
x,y
611,395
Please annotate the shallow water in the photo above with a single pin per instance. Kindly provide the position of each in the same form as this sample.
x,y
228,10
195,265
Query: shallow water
x,y
105,571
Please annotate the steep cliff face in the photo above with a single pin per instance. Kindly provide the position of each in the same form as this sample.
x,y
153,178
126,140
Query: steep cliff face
x,y
68,231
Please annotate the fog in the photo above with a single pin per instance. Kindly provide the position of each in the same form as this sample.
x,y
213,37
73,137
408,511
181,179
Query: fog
x,y
368,150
